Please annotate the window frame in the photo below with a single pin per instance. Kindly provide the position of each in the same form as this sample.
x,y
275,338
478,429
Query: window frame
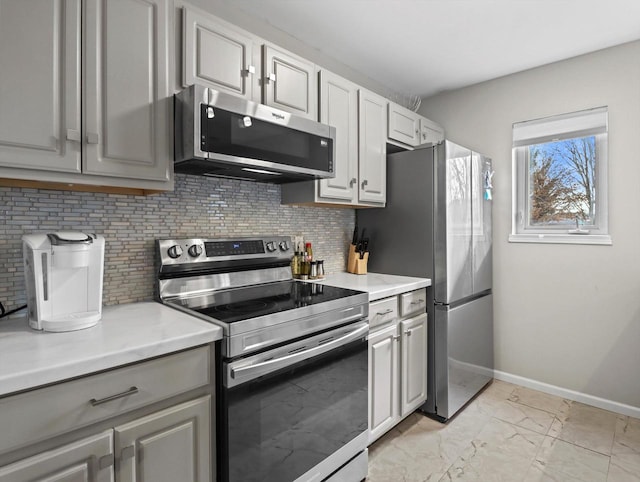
x,y
572,128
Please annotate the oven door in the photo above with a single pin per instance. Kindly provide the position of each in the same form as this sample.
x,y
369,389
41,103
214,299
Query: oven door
x,y
298,411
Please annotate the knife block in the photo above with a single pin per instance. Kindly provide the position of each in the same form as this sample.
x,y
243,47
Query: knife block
x,y
356,265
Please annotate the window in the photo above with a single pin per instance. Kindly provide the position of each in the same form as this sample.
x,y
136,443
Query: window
x,y
560,179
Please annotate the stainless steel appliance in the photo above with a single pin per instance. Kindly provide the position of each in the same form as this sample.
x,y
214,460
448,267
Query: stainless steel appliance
x,y
218,134
437,224
292,365
63,273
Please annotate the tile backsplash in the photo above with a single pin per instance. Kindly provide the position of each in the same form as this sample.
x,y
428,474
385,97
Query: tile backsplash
x,y
199,207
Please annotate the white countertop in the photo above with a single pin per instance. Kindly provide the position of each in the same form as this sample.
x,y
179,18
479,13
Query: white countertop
x,y
127,333
378,285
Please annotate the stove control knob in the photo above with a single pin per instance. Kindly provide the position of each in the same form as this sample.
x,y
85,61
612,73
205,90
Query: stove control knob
x,y
195,250
284,246
174,251
271,246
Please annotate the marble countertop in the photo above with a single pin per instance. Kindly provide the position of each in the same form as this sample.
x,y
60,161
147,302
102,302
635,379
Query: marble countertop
x,y
127,333
378,285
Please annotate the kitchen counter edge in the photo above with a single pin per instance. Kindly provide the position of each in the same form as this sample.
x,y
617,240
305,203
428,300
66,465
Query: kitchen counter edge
x,y
127,333
378,285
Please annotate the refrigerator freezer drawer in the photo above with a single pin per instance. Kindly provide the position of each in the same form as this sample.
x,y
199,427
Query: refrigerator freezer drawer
x,y
463,353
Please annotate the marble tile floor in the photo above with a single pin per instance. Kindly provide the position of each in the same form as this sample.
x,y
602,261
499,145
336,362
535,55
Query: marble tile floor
x,y
510,433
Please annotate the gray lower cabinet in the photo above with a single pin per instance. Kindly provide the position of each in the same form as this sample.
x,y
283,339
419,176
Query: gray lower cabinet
x,y
81,102
397,360
171,445
87,460
167,446
151,421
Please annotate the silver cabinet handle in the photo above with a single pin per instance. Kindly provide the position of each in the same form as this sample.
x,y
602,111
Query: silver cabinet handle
x,y
127,452
73,135
418,302
397,337
270,78
250,70
352,182
408,332
100,401
385,312
92,138
364,183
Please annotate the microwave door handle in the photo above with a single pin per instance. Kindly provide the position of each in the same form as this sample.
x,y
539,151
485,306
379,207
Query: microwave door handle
x,y
254,371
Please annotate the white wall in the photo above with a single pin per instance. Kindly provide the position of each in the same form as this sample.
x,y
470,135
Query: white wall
x,y
565,315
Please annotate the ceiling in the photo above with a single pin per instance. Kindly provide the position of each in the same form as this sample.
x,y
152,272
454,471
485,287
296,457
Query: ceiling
x,y
422,47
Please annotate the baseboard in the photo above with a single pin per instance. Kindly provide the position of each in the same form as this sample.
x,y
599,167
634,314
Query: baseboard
x,y
585,398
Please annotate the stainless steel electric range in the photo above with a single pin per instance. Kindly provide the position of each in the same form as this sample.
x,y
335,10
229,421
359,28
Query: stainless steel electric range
x,y
292,365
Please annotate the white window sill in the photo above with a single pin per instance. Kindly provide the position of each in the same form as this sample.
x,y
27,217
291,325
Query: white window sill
x,y
601,239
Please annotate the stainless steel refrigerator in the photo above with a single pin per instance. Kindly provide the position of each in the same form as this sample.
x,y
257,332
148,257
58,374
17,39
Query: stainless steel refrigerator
x,y
437,224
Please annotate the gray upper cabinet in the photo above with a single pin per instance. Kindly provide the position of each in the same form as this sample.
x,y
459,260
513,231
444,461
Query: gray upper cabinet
x,y
360,119
84,92
127,96
289,82
339,108
406,128
372,147
430,132
40,84
217,55
403,125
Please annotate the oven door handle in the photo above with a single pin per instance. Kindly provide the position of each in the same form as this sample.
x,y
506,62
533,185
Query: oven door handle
x,y
249,372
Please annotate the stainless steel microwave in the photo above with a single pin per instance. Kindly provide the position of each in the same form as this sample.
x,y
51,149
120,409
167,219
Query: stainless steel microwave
x,y
220,135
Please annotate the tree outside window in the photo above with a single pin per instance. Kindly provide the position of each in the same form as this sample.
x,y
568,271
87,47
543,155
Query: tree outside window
x,y
562,182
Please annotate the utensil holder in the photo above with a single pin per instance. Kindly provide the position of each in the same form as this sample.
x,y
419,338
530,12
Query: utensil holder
x,y
356,265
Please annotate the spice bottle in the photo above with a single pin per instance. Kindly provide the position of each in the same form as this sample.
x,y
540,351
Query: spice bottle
x,y
295,265
309,251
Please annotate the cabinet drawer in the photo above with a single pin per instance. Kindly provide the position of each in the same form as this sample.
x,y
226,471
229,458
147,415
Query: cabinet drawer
x,y
42,413
413,302
382,311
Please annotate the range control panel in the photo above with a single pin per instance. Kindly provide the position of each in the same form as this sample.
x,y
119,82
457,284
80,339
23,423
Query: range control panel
x,y
198,250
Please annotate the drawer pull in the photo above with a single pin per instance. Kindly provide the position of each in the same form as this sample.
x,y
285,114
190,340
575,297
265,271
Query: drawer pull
x,y
417,302
131,391
385,312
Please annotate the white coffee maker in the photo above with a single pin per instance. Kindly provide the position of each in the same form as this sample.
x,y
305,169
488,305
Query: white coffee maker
x,y
63,273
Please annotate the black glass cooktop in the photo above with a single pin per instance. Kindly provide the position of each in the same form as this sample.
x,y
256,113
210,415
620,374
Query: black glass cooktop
x,y
230,306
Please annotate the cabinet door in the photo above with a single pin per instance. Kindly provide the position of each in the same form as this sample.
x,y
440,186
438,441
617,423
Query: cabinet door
x,y
40,84
87,460
383,381
404,125
372,153
167,446
414,363
339,108
430,132
127,99
216,55
289,82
